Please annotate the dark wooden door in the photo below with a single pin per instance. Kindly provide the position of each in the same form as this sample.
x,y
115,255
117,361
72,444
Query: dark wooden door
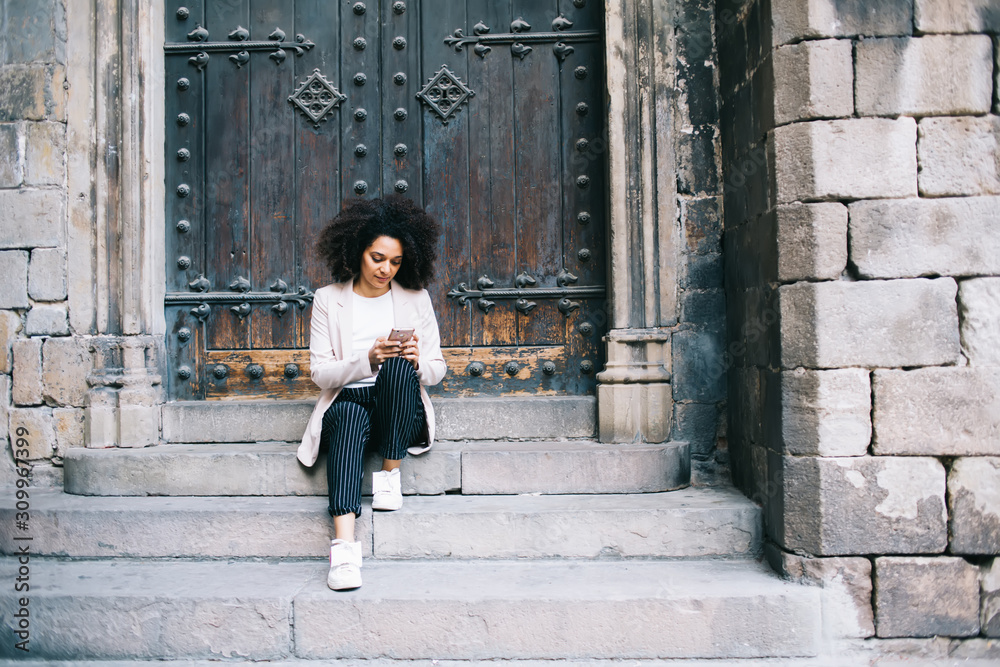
x,y
490,114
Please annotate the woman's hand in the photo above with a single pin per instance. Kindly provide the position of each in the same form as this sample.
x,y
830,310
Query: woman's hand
x,y
411,351
382,349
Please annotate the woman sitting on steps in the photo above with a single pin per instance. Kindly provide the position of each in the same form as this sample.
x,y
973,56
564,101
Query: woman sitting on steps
x,y
374,344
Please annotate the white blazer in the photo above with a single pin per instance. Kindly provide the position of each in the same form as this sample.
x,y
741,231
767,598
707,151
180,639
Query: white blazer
x,y
332,329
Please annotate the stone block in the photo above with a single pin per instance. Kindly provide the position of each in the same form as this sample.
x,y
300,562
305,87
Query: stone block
x,y
701,272
826,413
5,404
45,154
702,225
974,506
959,156
515,418
699,366
10,325
847,584
66,362
634,412
813,79
45,475
796,19
27,375
989,590
14,279
926,597
47,320
31,218
979,308
812,241
138,425
47,274
698,425
23,92
570,613
686,523
863,505
573,467
119,610
857,158
956,16
908,238
30,34
937,411
11,172
35,426
931,75
68,426
869,323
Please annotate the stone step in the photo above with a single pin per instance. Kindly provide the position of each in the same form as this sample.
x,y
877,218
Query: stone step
x,y
271,469
465,610
477,418
681,524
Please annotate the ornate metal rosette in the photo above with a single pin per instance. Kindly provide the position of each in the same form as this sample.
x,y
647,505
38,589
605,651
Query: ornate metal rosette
x,y
316,97
445,93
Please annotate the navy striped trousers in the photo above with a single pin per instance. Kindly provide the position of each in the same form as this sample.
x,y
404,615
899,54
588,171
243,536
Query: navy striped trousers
x,y
388,415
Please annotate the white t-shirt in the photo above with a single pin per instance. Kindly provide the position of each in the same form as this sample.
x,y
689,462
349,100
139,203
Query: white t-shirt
x,y
373,317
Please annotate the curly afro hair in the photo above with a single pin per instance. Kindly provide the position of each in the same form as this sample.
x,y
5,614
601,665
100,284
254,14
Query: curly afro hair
x,y
361,221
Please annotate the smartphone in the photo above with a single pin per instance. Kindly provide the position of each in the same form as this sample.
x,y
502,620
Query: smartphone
x,y
400,335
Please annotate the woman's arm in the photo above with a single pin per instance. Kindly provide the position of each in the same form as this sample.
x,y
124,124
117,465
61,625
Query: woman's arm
x,y
432,365
326,370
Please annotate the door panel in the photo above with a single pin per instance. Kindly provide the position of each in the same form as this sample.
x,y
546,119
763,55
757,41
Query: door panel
x,y
292,107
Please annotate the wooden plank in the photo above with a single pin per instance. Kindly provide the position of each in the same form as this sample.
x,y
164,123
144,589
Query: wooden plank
x,y
491,176
584,154
317,159
495,380
187,238
529,379
400,80
446,169
359,37
274,383
184,353
539,173
227,140
272,169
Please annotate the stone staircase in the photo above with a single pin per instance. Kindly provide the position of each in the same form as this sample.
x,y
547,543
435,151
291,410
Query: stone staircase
x,y
205,548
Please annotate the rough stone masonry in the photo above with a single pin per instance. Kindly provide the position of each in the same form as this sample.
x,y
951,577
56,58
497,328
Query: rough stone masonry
x,y
865,414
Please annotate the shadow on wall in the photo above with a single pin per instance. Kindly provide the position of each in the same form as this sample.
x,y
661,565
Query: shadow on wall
x,y
866,12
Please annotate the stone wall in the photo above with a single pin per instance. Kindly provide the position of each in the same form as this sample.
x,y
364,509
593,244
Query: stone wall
x,y
699,389
861,158
38,356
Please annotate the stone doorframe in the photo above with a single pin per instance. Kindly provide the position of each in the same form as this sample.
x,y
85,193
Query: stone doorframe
x,y
115,73
635,402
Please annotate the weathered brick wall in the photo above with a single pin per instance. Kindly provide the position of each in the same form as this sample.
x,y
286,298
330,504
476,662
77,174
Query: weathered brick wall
x,y
862,226
699,373
39,359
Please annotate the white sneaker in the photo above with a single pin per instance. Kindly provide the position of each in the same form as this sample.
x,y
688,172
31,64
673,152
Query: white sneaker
x,y
345,565
386,493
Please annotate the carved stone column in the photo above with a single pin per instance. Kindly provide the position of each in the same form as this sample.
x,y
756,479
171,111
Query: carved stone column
x,y
634,395
124,395
115,130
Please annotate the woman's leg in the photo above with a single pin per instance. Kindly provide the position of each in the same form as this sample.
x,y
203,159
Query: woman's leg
x,y
347,426
398,414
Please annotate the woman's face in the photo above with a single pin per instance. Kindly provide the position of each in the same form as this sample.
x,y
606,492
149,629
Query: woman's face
x,y
379,263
